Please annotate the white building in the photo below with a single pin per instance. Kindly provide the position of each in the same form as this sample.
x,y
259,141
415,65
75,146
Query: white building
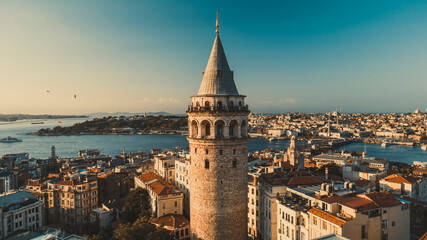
x,y
414,187
20,211
182,181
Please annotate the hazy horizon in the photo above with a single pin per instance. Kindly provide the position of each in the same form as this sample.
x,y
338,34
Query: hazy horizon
x,y
148,56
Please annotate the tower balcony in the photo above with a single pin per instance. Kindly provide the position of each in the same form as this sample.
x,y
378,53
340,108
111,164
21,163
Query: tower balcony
x,y
218,109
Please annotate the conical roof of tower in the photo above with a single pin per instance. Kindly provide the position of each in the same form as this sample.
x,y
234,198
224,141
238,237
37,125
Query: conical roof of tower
x,y
218,78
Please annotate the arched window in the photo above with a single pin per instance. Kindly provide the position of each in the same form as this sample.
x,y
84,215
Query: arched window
x,y
207,164
240,103
219,104
234,163
207,151
197,104
219,129
233,128
207,104
244,129
231,104
194,128
206,128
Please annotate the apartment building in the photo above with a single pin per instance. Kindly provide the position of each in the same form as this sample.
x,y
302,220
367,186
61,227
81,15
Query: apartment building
x,y
182,181
165,198
20,211
362,216
411,186
72,201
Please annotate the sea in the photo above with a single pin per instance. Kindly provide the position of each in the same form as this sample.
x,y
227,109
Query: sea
x,y
68,146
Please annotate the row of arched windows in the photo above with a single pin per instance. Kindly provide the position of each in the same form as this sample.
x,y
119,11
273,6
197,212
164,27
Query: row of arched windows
x,y
233,164
220,151
221,130
219,104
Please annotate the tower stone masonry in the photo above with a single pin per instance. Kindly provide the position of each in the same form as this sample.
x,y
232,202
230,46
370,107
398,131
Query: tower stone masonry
x,y
218,120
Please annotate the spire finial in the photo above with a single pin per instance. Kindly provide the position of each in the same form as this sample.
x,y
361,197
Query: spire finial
x,y
217,23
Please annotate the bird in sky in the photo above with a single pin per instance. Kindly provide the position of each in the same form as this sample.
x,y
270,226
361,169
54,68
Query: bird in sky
x,y
48,91
75,97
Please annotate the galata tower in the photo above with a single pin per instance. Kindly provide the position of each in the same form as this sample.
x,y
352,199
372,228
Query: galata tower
x,y
218,138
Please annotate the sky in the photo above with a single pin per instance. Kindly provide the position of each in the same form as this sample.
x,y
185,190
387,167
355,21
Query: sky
x,y
142,56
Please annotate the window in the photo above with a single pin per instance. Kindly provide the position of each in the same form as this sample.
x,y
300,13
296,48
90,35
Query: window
x,y
384,224
325,226
220,152
176,204
393,223
234,164
195,150
207,164
314,220
385,211
363,233
207,151
234,151
385,236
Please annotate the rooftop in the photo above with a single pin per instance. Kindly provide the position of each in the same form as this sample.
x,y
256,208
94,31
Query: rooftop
x,y
157,184
15,198
327,216
172,220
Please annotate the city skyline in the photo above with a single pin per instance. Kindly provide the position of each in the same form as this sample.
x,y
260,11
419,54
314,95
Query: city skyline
x,y
141,57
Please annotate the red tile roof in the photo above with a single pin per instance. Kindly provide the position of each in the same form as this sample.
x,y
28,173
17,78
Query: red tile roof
x,y
158,184
327,216
172,220
382,199
395,178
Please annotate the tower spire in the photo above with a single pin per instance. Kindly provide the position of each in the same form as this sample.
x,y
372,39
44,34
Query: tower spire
x,y
217,23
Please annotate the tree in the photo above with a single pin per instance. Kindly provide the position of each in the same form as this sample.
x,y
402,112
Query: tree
x,y
137,204
141,229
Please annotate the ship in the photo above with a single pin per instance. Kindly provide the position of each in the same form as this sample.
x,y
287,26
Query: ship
x,y
385,144
10,140
37,123
273,139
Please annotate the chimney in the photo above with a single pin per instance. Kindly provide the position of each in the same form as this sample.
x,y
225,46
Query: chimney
x,y
326,173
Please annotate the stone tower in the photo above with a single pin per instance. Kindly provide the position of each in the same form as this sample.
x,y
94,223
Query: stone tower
x,y
217,119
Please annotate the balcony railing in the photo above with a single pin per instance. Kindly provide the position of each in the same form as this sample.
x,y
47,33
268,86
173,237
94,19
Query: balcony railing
x,y
214,109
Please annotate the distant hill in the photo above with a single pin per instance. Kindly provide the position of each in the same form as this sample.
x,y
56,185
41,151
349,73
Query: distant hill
x,y
115,114
16,117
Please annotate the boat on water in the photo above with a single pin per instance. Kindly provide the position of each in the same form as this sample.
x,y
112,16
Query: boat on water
x,y
424,147
385,144
10,140
37,123
273,139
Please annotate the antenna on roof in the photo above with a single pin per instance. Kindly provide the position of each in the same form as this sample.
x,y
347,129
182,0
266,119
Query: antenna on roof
x,y
217,23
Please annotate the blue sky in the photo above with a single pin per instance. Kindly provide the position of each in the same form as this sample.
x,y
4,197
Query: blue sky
x,y
287,56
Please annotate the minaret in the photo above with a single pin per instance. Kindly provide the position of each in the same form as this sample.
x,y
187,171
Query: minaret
x,y
217,119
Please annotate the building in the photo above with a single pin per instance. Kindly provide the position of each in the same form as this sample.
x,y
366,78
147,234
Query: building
x,y
104,215
72,201
20,211
8,180
292,155
254,206
182,181
165,197
358,217
411,186
217,120
177,225
15,160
